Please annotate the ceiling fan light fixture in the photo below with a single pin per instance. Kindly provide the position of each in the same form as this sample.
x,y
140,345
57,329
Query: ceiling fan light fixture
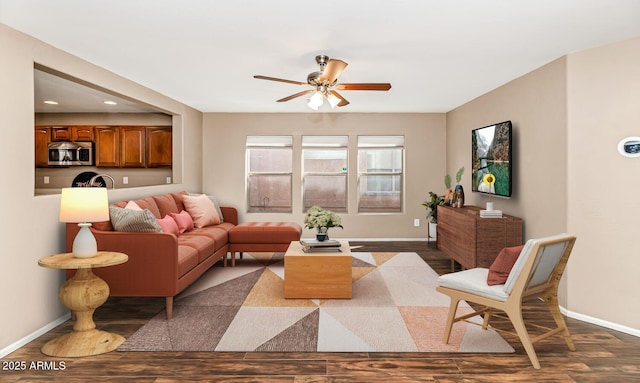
x,y
315,101
333,100
324,84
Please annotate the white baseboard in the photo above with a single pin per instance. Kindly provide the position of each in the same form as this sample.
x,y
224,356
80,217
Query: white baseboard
x,y
600,322
34,335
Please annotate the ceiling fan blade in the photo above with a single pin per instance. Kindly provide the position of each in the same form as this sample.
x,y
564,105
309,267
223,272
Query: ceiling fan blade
x,y
364,86
343,101
296,95
332,70
279,79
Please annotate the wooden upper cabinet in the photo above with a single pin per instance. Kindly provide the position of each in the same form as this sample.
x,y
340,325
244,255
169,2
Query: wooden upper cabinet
x,y
42,138
107,146
115,146
82,133
132,146
159,147
60,133
72,133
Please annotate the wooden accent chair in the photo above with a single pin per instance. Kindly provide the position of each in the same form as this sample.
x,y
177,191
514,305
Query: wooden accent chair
x,y
536,274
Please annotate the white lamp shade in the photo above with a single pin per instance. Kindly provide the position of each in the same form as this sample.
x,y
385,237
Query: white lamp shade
x,y
84,205
333,100
315,101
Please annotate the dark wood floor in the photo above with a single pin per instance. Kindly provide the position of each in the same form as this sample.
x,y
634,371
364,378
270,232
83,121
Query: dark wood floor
x,y
602,355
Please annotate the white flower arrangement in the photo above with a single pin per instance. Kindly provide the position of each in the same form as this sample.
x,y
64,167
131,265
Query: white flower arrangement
x,y
321,220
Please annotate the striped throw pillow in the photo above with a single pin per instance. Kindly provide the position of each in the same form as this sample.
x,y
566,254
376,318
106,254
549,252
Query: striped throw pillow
x,y
133,220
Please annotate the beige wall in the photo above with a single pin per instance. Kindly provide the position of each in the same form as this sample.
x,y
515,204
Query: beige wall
x,y
568,118
224,163
536,105
31,230
604,187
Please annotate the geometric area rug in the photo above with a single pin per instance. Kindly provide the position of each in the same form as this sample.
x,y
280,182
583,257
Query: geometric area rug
x,y
395,308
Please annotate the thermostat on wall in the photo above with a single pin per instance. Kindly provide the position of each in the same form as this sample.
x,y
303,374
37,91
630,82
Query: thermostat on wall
x,y
629,147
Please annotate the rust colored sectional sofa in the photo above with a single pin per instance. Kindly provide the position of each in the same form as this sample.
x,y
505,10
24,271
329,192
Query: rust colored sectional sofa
x,y
162,264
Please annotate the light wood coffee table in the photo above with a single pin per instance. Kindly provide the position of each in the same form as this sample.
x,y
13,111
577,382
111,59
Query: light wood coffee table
x,y
322,274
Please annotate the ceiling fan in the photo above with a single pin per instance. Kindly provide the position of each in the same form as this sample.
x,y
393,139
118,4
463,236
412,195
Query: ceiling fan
x,y
324,84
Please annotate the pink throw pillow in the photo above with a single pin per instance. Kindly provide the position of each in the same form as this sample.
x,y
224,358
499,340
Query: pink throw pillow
x,y
183,220
502,265
132,205
169,225
201,209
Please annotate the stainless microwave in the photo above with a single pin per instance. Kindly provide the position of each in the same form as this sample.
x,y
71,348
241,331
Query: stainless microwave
x,y
66,153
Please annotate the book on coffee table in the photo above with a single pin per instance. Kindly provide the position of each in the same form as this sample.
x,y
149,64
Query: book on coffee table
x,y
310,244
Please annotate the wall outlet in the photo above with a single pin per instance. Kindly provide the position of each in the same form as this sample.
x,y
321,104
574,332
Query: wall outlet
x,y
168,180
46,179
125,180
416,222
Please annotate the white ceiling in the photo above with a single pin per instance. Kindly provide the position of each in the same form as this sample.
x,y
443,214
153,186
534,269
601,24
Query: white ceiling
x,y
437,54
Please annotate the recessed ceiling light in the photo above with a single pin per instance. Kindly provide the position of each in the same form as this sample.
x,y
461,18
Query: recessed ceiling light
x,y
51,102
110,103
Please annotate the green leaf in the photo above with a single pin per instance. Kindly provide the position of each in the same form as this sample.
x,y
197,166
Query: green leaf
x,y
459,174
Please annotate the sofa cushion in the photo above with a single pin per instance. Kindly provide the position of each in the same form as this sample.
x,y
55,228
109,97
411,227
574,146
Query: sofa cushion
x,y
103,225
149,203
201,209
204,245
177,197
183,220
133,220
169,225
187,259
265,232
166,204
219,235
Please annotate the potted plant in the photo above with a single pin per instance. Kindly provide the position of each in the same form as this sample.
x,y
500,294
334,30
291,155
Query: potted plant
x,y
321,220
432,204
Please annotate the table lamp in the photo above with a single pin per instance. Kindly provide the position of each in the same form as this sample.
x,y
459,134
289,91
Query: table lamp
x,y
84,205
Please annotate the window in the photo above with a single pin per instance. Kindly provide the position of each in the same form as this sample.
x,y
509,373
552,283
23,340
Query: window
x,y
324,172
380,172
269,171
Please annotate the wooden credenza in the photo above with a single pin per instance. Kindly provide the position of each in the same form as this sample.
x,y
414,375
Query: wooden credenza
x,y
473,241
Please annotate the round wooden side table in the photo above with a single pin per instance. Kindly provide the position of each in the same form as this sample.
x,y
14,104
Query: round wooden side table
x,y
82,294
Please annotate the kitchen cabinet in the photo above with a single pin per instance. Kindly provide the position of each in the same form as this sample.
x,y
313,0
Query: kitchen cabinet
x,y
115,146
61,133
107,146
71,133
159,147
42,139
120,146
82,133
132,146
